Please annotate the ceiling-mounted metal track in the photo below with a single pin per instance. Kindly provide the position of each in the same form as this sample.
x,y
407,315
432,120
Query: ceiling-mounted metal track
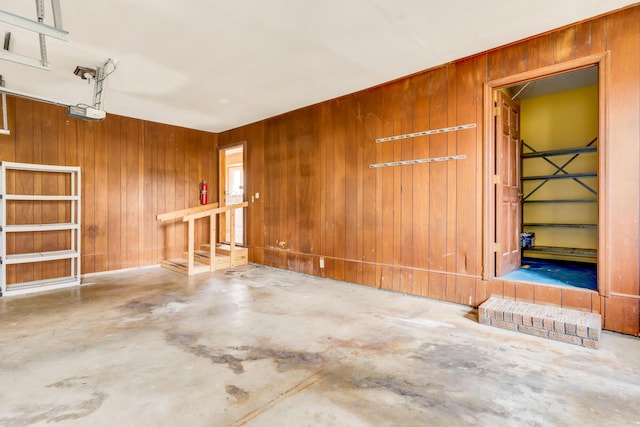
x,y
35,26
39,27
5,129
57,14
41,37
24,60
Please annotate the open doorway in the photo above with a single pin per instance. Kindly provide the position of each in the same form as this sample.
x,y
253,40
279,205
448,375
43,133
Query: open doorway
x,y
231,170
546,170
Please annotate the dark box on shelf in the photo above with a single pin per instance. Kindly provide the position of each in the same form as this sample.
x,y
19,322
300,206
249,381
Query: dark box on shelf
x,y
527,240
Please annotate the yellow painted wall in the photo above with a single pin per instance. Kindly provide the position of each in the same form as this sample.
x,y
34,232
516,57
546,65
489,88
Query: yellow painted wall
x,y
561,120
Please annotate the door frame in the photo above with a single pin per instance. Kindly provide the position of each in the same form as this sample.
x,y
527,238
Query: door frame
x,y
602,62
221,226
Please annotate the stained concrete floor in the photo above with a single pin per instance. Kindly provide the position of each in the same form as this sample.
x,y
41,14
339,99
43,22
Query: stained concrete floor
x,y
257,346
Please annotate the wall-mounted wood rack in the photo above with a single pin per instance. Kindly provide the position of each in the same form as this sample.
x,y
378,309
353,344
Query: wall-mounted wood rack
x,y
426,132
418,161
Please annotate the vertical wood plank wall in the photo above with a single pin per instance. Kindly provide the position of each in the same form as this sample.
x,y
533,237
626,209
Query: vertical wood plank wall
x,y
131,171
415,229
418,229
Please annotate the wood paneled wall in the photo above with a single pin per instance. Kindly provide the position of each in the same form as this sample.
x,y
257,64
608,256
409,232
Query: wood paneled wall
x,y
415,229
419,229
131,171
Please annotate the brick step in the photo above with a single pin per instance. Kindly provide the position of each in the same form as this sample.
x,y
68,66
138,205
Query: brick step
x,y
557,323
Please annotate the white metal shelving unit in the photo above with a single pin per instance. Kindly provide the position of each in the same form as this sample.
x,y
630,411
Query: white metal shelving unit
x,y
71,253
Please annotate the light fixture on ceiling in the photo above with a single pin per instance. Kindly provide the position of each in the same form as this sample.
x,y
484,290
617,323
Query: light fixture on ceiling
x,y
98,75
85,73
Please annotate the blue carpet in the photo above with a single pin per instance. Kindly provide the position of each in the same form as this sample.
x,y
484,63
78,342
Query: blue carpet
x,y
579,275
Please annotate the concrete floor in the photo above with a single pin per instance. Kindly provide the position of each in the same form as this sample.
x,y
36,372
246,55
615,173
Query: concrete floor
x,y
263,347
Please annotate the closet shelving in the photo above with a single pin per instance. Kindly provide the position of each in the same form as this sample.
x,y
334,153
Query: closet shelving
x,y
560,173
67,200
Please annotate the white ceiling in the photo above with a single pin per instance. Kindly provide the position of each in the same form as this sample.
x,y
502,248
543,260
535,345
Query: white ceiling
x,y
216,65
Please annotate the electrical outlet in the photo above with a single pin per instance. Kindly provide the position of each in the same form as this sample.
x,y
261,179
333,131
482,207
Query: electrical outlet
x,y
321,262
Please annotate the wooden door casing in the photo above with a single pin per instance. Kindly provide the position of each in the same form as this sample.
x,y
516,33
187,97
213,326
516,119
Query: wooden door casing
x,y
230,157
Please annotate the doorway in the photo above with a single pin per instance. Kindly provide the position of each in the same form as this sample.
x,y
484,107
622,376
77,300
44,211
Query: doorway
x,y
546,157
231,171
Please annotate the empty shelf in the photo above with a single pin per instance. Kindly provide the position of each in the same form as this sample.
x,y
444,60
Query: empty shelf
x,y
41,285
564,251
565,176
560,152
547,224
561,201
21,228
41,256
40,198
40,168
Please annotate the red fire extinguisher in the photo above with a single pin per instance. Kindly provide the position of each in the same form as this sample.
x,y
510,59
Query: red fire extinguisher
x,y
204,188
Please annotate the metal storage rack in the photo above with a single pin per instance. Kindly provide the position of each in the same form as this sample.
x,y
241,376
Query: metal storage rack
x,y
560,174
70,196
